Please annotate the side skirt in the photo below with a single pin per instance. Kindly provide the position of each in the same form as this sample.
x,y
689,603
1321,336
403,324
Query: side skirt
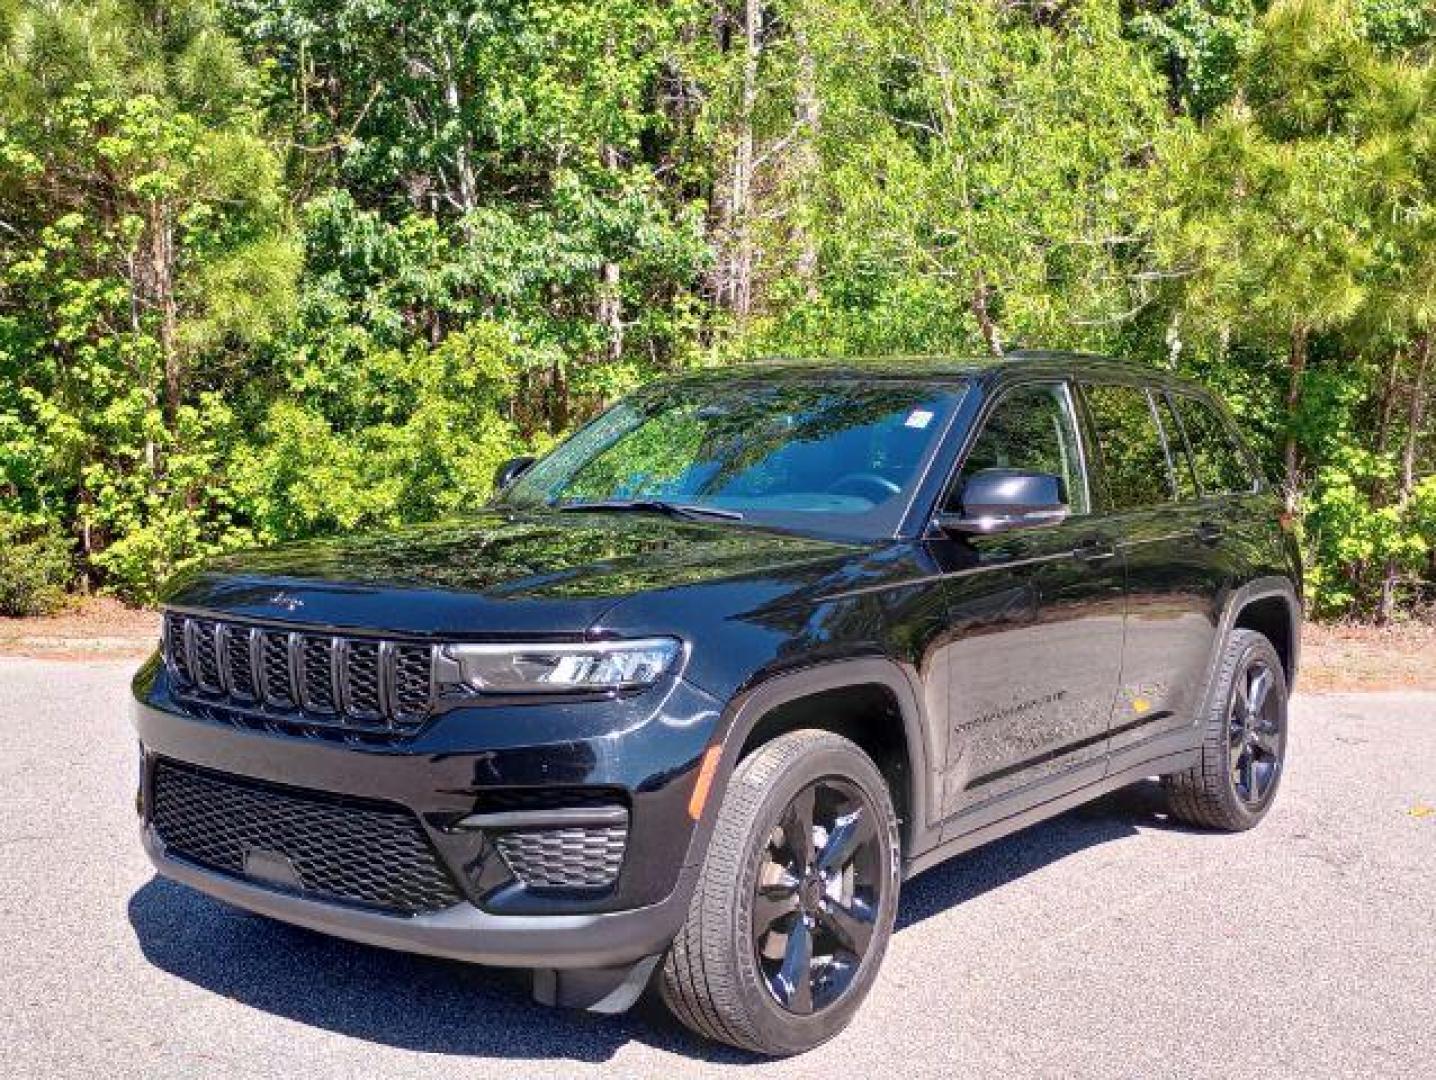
x,y
1041,811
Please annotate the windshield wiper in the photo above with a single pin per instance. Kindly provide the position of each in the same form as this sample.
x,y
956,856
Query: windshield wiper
x,y
654,506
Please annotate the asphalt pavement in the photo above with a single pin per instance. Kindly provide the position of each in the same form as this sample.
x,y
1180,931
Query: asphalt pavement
x,y
1107,943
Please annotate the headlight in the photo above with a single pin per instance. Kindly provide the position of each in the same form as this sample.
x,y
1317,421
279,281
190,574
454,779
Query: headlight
x,y
556,669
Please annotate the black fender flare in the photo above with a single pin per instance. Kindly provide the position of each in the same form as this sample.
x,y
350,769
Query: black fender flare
x,y
1261,588
749,706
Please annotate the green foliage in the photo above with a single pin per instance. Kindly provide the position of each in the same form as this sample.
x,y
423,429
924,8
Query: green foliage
x,y
34,568
420,436
1202,45
282,268
978,180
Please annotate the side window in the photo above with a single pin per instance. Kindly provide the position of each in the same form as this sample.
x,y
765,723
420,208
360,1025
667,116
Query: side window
x,y
1218,464
1134,460
1176,449
1032,427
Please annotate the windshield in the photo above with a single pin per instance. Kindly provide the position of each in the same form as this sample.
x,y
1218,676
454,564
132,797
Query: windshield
x,y
827,455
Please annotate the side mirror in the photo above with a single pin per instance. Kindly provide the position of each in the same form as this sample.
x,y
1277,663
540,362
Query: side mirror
x,y
511,470
1000,500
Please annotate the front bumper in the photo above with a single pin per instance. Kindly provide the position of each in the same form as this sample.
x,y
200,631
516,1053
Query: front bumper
x,y
645,749
464,932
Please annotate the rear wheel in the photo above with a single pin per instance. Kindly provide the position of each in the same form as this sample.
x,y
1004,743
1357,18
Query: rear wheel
x,y
1244,741
795,905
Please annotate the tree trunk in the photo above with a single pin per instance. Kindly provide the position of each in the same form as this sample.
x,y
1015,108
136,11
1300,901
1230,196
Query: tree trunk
x,y
807,114
468,194
735,288
610,298
1384,412
1296,361
161,272
558,410
1415,415
981,294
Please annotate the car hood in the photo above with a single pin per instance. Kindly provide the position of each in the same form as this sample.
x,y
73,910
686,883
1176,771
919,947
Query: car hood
x,y
496,573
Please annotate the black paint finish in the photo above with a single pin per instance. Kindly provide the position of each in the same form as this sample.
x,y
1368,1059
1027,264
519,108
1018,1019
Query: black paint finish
x,y
1022,667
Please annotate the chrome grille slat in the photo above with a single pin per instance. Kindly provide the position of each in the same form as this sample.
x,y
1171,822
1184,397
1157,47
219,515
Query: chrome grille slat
x,y
386,678
204,651
316,675
326,682
359,681
236,652
276,675
176,650
413,673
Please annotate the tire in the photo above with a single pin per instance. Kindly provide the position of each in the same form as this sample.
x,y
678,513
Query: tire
x,y
728,974
1243,752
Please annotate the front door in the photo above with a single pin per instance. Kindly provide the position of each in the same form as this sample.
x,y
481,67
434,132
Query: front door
x,y
1035,637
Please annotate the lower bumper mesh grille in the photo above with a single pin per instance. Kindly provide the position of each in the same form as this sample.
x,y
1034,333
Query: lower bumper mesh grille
x,y
326,847
576,857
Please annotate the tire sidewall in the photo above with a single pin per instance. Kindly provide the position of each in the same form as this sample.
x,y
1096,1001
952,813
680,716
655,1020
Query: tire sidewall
x,y
776,1027
1249,646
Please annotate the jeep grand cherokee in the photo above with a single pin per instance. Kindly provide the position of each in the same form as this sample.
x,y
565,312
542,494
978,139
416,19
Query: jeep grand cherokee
x,y
686,703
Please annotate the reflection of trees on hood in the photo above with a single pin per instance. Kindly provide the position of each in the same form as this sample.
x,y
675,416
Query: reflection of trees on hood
x,y
510,555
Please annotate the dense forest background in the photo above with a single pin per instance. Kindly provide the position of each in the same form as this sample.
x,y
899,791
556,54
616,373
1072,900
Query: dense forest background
x,y
278,268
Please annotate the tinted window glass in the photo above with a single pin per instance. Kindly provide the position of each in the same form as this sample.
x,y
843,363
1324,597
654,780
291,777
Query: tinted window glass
x,y
786,452
1218,464
1176,449
1032,428
1133,459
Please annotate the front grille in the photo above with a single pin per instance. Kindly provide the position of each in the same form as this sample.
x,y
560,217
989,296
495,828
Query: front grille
x,y
336,849
572,857
316,674
343,683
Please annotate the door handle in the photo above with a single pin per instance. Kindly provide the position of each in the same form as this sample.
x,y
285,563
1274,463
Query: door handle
x,y
1209,532
1095,550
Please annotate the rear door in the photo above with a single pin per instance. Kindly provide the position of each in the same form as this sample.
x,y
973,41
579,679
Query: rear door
x,y
1172,552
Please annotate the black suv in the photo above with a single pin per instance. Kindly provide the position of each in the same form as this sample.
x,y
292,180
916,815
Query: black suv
x,y
696,692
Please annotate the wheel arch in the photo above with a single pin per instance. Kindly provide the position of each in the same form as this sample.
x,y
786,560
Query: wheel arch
x,y
1272,608
841,696
1273,616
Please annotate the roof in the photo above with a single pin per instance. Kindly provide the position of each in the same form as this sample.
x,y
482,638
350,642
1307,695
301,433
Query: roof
x,y
1023,361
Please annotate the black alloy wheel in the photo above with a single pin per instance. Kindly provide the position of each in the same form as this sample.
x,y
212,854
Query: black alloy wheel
x,y
1244,741
1257,732
796,900
818,893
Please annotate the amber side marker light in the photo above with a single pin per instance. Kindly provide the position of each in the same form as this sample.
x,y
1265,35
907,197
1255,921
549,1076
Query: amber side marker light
x,y
706,768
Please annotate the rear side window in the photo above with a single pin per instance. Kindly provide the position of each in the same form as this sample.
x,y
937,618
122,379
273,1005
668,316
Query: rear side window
x,y
1215,458
1134,460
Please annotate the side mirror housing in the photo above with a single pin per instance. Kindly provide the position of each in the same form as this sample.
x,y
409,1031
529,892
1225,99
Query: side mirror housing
x,y
511,470
1001,500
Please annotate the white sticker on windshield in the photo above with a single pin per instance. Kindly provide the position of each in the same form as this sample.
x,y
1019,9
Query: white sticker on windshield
x,y
919,418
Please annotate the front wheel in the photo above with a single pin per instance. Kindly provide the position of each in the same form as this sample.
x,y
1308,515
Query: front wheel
x,y
795,905
1244,741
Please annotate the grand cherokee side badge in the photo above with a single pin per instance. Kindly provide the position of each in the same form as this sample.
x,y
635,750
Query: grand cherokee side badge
x,y
287,602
